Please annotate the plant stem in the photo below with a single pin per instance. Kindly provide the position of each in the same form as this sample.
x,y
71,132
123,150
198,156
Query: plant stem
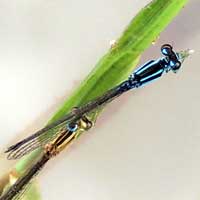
x,y
119,61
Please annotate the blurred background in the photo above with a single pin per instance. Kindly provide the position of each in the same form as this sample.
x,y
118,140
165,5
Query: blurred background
x,y
146,145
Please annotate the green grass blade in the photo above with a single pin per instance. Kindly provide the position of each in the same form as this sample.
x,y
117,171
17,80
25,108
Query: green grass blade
x,y
117,64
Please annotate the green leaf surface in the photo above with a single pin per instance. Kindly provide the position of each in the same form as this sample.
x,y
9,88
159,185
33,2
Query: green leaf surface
x,y
120,61
32,193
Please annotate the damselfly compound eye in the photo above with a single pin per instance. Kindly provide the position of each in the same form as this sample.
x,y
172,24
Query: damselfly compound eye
x,y
166,49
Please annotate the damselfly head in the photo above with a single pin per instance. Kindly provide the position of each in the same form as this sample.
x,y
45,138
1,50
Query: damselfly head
x,y
174,59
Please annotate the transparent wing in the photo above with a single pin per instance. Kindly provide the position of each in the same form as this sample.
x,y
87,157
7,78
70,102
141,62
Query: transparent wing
x,y
48,133
39,139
